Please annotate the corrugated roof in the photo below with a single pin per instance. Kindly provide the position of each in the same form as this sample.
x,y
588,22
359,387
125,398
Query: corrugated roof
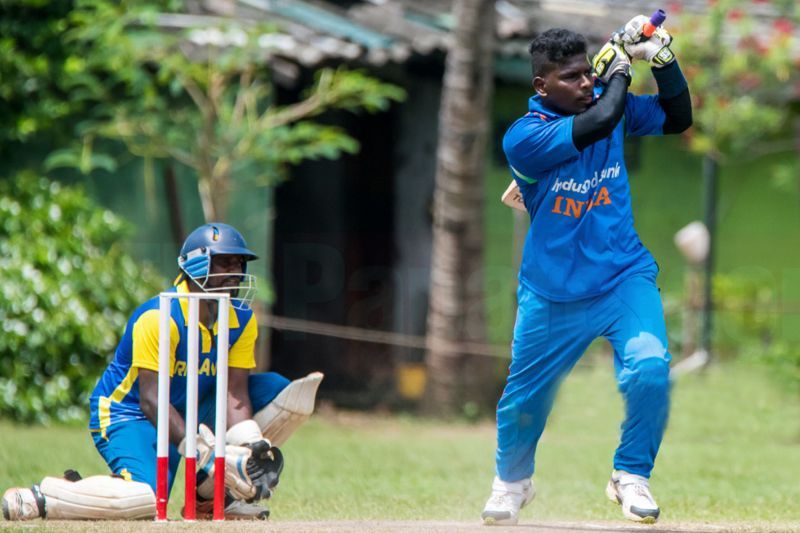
x,y
377,32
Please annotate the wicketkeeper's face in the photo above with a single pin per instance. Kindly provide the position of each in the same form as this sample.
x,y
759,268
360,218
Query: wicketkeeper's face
x,y
569,87
233,265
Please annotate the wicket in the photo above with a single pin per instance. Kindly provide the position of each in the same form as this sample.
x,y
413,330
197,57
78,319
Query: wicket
x,y
192,359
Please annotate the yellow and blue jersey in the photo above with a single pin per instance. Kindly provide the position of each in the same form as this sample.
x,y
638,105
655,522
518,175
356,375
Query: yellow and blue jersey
x,y
115,399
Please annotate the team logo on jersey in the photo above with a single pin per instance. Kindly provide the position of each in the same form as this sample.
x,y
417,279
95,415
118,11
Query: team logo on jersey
x,y
207,368
572,207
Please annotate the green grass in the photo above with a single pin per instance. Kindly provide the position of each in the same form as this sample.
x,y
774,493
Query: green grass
x,y
730,454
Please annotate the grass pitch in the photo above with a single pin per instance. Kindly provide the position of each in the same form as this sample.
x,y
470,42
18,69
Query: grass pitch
x,y
728,462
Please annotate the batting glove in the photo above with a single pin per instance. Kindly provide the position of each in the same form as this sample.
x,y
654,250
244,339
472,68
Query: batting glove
x,y
610,60
655,50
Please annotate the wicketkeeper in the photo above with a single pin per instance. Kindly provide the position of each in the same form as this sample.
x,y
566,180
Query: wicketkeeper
x,y
263,410
585,273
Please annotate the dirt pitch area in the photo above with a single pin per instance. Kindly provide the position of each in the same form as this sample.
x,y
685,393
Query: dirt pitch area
x,y
363,526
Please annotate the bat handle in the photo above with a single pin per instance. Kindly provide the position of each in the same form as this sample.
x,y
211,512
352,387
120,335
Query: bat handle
x,y
656,19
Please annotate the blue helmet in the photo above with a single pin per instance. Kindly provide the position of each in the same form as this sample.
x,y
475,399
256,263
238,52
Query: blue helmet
x,y
213,239
207,241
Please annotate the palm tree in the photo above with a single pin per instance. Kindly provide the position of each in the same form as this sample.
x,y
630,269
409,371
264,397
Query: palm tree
x,y
456,305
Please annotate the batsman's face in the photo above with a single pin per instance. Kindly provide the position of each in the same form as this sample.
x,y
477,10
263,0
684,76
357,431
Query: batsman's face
x,y
569,87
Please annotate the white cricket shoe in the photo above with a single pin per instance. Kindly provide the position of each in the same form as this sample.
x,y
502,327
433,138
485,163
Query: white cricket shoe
x,y
506,500
632,493
23,504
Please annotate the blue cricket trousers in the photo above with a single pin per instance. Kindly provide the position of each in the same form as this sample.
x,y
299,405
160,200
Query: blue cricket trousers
x,y
550,337
129,448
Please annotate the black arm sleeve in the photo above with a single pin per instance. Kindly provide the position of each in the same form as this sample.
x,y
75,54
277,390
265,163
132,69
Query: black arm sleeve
x,y
674,98
678,111
599,121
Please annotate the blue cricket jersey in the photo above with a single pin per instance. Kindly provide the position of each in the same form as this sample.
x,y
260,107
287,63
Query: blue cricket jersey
x,y
581,242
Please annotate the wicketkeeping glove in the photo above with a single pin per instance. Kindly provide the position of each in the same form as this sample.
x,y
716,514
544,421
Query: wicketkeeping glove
x,y
264,468
205,446
654,50
610,60
251,468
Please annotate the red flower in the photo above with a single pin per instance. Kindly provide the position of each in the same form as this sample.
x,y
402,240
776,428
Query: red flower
x,y
674,8
750,81
784,26
735,15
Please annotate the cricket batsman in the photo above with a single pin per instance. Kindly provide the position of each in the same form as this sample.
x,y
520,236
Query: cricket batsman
x,y
585,273
263,410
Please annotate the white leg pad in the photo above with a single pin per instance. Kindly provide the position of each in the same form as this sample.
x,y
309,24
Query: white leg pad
x,y
287,412
98,498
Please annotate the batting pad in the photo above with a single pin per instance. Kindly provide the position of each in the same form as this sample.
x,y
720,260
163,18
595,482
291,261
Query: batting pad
x,y
98,498
287,412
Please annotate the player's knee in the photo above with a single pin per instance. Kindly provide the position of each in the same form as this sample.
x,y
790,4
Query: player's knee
x,y
649,375
264,387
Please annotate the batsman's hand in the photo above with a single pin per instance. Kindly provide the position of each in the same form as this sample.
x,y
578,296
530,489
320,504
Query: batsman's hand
x,y
654,50
610,60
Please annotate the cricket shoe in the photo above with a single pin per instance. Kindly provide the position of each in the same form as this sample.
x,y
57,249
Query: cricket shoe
x,y
23,504
507,499
632,493
234,510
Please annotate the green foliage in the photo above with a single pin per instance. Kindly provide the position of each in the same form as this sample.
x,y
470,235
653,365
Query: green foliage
x,y
748,304
78,71
204,98
49,81
33,67
67,289
742,73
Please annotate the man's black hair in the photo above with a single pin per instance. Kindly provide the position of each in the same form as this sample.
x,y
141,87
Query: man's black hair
x,y
554,47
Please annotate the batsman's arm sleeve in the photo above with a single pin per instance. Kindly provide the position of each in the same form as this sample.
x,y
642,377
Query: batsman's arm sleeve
x,y
599,121
674,98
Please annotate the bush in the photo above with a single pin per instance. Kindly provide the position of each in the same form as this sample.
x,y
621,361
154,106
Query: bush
x,y
66,291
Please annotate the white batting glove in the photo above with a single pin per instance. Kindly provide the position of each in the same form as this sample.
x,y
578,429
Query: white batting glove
x,y
654,50
610,60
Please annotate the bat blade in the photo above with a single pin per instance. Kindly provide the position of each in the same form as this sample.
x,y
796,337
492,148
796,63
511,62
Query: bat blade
x,y
513,197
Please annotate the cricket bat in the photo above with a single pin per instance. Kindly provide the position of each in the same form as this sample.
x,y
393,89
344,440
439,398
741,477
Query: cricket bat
x,y
513,197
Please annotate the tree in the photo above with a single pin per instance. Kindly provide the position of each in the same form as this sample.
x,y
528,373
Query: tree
x,y
740,61
456,305
68,287
204,98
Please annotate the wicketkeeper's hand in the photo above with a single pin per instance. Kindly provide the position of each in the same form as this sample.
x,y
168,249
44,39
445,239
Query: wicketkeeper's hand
x,y
264,468
263,463
251,468
205,446
610,60
654,50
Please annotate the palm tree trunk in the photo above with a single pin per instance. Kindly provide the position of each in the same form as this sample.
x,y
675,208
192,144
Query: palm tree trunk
x,y
456,306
